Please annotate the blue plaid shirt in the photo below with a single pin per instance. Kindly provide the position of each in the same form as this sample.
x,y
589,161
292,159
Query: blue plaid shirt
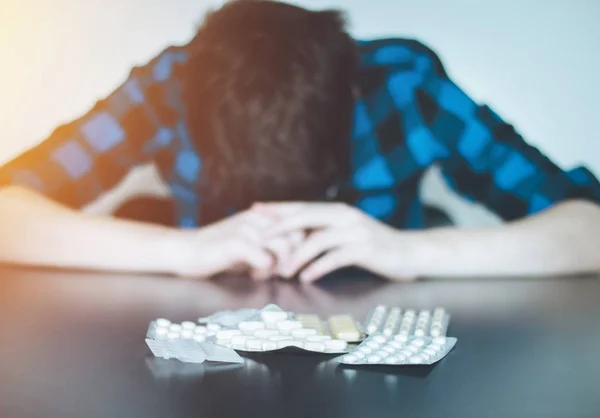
x,y
410,116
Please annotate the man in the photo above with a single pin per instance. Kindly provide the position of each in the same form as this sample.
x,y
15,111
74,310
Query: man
x,y
276,104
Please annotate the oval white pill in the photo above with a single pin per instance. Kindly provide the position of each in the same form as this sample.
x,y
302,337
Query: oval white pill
x,y
395,344
382,353
349,358
188,325
359,354
251,325
380,339
269,345
365,349
374,359
161,332
406,353
265,333
173,335
373,344
175,328
239,340
425,356
435,347
420,332
372,328
199,338
273,316
254,344
392,360
435,332
418,342
412,349
401,338
280,338
303,332
389,349
401,358
289,325
213,327
314,346
227,334
187,334
430,351
336,345
162,322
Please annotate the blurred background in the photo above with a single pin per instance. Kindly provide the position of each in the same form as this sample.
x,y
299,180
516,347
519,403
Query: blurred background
x,y
535,62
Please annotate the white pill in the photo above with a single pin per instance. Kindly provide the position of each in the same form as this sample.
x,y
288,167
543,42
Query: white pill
x,y
273,316
372,328
359,354
239,339
389,349
401,358
382,353
388,331
429,351
303,332
435,347
395,344
380,339
187,334
161,332
435,332
318,338
374,359
213,327
162,322
199,338
401,338
227,334
250,326
226,343
416,359
254,344
290,343
269,345
439,340
418,342
201,330
265,333
175,328
373,344
412,349
288,325
188,325
420,332
172,335
406,353
425,356
392,360
365,349
350,358
336,345
280,338
314,346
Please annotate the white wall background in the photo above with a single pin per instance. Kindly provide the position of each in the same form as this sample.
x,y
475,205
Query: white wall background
x,y
536,62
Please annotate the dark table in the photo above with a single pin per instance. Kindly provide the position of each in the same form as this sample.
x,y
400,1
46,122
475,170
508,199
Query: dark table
x,y
72,345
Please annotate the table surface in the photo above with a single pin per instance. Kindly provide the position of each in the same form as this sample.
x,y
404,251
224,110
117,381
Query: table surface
x,y
72,345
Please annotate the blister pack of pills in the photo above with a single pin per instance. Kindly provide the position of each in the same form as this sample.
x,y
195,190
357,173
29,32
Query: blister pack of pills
x,y
275,329
187,342
399,350
391,321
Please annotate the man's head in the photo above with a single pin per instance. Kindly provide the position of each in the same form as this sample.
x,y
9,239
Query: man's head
x,y
269,92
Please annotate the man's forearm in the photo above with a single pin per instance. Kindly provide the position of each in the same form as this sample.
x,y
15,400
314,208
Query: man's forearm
x,y
561,240
37,231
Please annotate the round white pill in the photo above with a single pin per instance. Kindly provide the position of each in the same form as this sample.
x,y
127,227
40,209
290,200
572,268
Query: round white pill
x,y
314,346
389,349
412,349
161,332
401,338
374,359
395,344
418,342
175,328
373,344
336,345
188,325
435,347
303,332
439,340
227,334
406,353
172,335
350,358
318,338
239,340
380,339
199,338
269,345
382,353
265,333
162,322
416,359
250,326
201,330
254,344
365,349
187,334
213,327
429,351
392,360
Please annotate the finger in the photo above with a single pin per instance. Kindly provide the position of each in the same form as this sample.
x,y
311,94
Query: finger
x,y
317,243
330,262
313,217
281,247
255,257
280,208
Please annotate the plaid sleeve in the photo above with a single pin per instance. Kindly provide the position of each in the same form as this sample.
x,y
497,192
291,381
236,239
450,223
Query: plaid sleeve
x,y
88,156
485,159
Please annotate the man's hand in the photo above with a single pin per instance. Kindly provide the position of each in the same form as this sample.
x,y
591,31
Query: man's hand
x,y
346,236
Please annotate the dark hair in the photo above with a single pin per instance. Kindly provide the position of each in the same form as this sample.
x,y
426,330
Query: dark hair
x,y
269,93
